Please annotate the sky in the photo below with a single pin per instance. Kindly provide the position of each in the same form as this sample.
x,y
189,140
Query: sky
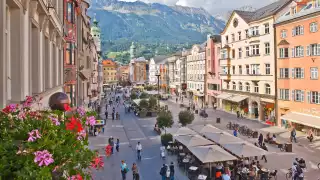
x,y
213,6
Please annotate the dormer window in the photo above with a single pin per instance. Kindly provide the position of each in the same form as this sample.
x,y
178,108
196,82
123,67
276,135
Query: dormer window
x,y
294,10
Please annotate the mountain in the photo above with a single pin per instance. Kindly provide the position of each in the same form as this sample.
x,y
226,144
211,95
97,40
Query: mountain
x,y
123,22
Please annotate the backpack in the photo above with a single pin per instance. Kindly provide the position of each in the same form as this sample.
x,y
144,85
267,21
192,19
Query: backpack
x,y
162,172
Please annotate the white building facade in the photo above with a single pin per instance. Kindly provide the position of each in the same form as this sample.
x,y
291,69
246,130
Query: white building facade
x,y
31,49
195,73
247,62
174,73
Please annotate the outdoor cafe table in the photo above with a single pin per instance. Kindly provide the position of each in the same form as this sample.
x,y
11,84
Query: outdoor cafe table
x,y
202,177
193,168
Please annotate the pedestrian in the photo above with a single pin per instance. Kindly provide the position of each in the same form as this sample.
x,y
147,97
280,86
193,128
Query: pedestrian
x,y
112,115
112,145
171,171
235,132
293,135
103,129
117,144
163,171
176,100
260,139
124,169
238,114
135,173
139,149
106,113
264,147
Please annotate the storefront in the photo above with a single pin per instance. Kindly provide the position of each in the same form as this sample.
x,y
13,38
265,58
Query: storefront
x,y
237,103
268,112
199,99
301,122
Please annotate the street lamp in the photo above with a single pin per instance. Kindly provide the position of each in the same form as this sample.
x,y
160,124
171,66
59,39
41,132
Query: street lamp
x,y
158,76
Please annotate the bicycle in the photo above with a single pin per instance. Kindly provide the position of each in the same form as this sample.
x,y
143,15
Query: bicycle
x,y
289,174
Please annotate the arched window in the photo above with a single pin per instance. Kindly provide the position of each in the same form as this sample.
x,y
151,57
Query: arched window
x,y
247,87
240,86
268,89
234,87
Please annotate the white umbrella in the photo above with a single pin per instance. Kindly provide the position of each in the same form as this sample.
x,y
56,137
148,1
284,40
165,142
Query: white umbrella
x,y
181,131
193,140
221,137
205,128
244,149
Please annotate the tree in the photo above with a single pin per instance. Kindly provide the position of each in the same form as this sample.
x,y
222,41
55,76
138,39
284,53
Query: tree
x,y
143,95
164,120
152,102
133,96
143,104
186,117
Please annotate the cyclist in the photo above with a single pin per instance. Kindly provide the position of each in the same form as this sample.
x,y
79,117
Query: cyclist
x,y
139,149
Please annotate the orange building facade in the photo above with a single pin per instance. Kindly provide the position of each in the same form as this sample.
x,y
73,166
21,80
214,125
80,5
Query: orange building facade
x,y
109,72
298,61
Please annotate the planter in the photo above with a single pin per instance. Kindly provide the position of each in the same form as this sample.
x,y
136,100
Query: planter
x,y
154,114
165,139
143,114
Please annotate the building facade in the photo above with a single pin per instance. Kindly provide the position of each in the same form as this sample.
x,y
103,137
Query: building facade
x,y
162,70
298,65
174,73
124,73
109,72
183,71
213,81
153,71
139,71
31,49
247,62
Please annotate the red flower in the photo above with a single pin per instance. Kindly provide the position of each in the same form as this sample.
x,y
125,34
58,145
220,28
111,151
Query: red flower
x,y
97,162
67,107
74,124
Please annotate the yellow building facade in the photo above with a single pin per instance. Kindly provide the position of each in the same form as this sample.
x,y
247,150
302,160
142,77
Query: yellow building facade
x,y
109,72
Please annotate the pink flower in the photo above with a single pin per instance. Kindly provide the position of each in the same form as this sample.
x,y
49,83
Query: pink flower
x,y
10,108
21,115
54,120
28,101
43,158
33,135
81,111
97,162
76,177
81,135
91,121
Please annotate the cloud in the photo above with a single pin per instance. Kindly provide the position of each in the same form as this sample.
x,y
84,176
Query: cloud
x,y
213,6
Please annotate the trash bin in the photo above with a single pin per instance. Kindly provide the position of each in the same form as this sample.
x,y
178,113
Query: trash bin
x,y
288,147
218,120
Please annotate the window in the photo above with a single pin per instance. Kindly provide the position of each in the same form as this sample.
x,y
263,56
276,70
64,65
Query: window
x,y
247,87
234,87
254,31
314,97
297,51
215,87
247,51
70,57
255,51
268,70
283,33
239,36
232,36
240,86
314,27
313,50
228,86
266,28
240,69
284,73
284,94
247,69
224,70
233,53
317,3
294,10
227,39
298,95
240,53
284,52
247,33
233,69
70,12
298,30
298,73
255,69
256,88
268,89
267,48
224,54
208,52
314,73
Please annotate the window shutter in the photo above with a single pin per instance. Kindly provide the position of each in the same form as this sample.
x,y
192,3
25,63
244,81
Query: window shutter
x,y
301,29
301,51
293,98
302,96
292,52
292,71
308,97
308,50
302,73
318,49
293,32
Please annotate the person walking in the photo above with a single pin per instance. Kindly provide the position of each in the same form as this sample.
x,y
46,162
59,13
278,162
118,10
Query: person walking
x,y
264,147
139,149
106,113
235,132
260,140
112,145
123,169
171,171
112,115
293,135
135,172
163,172
117,144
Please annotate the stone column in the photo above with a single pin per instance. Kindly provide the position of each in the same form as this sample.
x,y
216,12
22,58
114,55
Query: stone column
x,y
261,111
50,65
3,63
25,69
36,60
54,67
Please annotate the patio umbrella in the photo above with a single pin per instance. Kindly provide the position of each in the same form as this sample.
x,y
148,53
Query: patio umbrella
x,y
210,154
193,140
221,137
244,149
205,128
181,131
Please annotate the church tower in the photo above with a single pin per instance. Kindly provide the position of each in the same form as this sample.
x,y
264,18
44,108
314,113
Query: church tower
x,y
96,32
132,50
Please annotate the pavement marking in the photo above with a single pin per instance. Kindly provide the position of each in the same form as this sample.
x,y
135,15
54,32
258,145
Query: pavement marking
x,y
137,139
154,137
150,158
117,126
148,125
98,145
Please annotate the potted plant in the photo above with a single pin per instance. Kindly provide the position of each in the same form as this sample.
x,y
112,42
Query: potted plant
x,y
165,139
186,117
164,120
143,113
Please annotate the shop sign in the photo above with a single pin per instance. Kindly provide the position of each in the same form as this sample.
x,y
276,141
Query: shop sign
x,y
313,111
99,122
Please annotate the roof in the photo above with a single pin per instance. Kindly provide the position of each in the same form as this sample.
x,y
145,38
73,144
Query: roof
x,y
159,58
263,12
216,38
108,62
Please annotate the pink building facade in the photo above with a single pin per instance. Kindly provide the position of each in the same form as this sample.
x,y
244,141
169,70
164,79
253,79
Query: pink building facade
x,y
213,82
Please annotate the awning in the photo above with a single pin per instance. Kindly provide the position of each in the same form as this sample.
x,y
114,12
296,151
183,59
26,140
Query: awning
x,y
304,119
224,96
267,100
84,75
199,95
237,98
